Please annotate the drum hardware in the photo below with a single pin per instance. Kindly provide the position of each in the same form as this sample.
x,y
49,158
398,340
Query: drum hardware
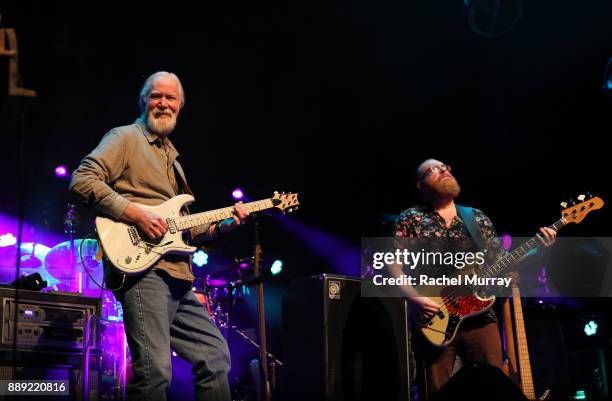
x,y
225,283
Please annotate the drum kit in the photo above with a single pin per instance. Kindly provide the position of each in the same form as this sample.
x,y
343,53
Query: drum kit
x,y
74,266
61,266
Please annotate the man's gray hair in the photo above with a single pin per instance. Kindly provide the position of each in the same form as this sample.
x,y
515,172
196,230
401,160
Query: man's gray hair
x,y
146,89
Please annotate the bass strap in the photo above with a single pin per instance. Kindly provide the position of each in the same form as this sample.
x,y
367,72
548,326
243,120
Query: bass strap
x,y
467,215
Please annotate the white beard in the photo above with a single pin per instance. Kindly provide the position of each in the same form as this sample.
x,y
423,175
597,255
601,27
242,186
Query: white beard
x,y
161,125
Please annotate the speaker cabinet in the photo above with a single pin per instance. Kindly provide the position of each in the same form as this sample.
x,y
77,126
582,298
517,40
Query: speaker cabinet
x,y
340,346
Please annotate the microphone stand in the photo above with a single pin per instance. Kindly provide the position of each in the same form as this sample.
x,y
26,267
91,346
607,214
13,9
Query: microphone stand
x,y
70,223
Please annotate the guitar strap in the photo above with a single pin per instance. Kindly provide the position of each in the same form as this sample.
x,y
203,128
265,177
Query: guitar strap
x,y
181,182
467,215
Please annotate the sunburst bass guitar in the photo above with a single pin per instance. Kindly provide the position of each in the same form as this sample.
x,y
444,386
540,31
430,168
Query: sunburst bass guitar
x,y
441,329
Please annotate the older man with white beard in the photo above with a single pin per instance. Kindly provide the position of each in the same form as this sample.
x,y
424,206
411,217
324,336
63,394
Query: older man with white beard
x,y
137,164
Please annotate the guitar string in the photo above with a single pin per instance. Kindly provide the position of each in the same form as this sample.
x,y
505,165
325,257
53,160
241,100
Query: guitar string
x,y
454,296
224,210
561,222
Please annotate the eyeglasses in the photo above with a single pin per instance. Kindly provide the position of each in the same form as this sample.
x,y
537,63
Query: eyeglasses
x,y
440,168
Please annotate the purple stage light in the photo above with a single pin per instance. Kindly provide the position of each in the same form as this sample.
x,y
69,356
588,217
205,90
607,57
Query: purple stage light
x,y
61,171
506,241
237,194
343,257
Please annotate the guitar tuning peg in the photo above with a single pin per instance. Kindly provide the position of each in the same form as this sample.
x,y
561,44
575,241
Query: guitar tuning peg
x,y
283,192
563,205
290,210
581,197
295,208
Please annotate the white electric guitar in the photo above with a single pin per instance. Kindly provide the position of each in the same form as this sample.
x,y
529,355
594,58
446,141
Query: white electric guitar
x,y
132,252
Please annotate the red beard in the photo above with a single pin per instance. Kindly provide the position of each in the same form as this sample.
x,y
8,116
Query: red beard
x,y
446,186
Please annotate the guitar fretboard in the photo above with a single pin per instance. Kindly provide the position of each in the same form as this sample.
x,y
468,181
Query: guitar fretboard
x,y
515,256
213,216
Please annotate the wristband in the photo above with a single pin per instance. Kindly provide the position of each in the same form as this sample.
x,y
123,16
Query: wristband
x,y
218,229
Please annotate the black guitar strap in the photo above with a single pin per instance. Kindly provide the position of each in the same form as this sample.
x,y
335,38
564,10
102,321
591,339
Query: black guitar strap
x,y
467,215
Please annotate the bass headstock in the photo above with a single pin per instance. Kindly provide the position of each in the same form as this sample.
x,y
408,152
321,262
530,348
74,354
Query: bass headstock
x,y
576,212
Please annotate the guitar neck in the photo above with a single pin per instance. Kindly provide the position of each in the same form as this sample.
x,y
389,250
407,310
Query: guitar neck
x,y
524,363
213,216
515,256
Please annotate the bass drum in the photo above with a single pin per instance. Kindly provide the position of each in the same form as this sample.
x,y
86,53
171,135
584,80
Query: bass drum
x,y
65,262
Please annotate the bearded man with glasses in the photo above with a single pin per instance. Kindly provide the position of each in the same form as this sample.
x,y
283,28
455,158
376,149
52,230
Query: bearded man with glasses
x,y
437,218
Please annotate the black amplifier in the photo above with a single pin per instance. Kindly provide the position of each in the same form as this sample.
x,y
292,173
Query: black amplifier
x,y
45,320
339,346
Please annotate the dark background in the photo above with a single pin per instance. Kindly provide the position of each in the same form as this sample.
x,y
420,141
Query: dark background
x,y
338,101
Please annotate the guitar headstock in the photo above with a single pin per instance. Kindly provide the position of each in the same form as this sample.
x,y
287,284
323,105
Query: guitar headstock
x,y
578,211
285,202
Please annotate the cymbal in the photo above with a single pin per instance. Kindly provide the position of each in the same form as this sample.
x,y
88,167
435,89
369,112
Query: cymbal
x,y
230,274
64,261
32,255
32,261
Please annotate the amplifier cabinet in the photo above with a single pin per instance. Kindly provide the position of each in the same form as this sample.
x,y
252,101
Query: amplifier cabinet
x,y
339,346
38,320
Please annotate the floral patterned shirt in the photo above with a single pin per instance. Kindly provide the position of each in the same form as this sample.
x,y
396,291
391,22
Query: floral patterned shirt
x,y
424,222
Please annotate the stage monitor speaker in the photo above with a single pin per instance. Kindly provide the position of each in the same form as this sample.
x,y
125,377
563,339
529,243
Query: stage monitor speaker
x,y
338,346
479,382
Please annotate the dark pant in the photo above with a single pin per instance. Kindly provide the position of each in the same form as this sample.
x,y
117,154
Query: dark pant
x,y
160,312
473,343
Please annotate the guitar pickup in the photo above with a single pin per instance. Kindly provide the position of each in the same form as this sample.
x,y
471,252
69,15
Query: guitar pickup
x,y
171,225
134,237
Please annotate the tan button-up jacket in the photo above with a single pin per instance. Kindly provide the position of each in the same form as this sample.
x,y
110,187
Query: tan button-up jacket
x,y
131,164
